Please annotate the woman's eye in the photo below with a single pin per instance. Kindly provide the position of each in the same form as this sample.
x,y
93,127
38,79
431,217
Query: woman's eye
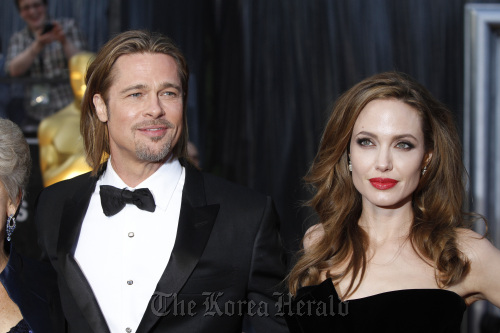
x,y
404,145
365,142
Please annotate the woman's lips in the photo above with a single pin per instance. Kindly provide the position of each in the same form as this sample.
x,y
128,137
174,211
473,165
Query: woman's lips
x,y
383,183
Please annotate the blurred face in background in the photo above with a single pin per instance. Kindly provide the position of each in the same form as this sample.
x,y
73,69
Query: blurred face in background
x,y
34,13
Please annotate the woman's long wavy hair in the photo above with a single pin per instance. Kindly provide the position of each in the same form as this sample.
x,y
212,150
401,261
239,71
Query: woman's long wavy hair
x,y
437,201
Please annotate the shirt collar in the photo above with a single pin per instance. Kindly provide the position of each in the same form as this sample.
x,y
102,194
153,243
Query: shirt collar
x,y
162,183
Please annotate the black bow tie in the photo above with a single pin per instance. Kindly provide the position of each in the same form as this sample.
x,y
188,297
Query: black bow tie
x,y
114,199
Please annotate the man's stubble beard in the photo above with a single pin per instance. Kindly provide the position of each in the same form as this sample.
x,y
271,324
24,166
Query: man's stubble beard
x,y
145,153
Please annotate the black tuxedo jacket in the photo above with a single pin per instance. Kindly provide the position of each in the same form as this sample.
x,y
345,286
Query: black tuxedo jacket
x,y
226,264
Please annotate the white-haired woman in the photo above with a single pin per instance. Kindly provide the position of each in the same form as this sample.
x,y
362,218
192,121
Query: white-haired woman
x,y
15,164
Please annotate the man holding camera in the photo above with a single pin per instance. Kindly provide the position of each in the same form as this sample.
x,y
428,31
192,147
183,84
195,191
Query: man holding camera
x,y
41,51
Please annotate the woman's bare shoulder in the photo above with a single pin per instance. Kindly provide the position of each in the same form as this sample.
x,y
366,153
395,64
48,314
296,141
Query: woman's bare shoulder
x,y
472,244
482,281
313,235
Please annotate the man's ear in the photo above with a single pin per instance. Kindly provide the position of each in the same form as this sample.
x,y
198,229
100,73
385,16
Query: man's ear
x,y
100,108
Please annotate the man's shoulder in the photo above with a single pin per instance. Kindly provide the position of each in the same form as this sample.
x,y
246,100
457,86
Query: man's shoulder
x,y
18,42
20,37
24,32
68,187
52,202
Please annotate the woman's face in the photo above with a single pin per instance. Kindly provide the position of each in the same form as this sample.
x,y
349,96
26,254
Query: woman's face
x,y
387,152
7,208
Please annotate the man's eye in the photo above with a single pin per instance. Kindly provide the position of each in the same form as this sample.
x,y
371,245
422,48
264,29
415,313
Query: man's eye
x,y
135,95
169,93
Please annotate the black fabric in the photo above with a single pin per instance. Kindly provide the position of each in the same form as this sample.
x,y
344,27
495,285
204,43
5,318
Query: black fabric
x,y
114,199
30,284
319,309
21,327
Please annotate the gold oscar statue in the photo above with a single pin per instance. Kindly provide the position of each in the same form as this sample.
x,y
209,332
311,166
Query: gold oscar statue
x,y
61,144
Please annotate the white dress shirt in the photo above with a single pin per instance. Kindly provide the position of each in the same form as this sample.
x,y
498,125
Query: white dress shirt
x,y
123,256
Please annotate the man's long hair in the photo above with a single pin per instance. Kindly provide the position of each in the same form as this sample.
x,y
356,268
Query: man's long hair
x,y
99,79
437,200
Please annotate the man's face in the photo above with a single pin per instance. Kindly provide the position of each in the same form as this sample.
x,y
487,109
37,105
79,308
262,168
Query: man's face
x,y
144,108
33,12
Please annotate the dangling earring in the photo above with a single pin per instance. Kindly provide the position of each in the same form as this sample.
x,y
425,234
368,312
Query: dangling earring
x,y
424,170
350,166
11,226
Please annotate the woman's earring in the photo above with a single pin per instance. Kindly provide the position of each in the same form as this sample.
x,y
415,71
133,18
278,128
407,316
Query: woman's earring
x,y
350,166
11,226
424,170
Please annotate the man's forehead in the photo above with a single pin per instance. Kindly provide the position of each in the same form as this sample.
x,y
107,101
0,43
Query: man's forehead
x,y
143,55
124,64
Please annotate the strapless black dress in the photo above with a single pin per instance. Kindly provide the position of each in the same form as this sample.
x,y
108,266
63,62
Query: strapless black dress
x,y
319,309
21,327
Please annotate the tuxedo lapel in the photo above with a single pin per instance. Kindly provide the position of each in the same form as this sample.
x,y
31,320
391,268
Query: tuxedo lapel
x,y
71,223
196,220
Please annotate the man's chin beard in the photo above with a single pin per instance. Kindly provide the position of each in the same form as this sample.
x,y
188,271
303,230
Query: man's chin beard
x,y
148,155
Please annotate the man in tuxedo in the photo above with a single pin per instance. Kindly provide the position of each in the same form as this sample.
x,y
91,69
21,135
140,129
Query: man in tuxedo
x,y
146,242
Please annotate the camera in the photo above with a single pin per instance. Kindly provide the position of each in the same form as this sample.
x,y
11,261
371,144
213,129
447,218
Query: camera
x,y
48,26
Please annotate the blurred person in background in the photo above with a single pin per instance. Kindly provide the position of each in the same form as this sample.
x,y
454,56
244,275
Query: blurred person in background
x,y
41,51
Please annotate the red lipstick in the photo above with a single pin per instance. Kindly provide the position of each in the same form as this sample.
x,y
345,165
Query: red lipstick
x,y
383,183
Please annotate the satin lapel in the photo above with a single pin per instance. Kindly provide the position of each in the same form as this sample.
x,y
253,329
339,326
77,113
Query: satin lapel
x,y
195,225
71,223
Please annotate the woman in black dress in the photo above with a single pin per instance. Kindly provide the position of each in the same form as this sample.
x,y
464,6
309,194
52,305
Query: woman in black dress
x,y
391,252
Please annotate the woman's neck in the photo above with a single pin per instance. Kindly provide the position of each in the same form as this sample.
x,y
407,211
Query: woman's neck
x,y
385,224
4,258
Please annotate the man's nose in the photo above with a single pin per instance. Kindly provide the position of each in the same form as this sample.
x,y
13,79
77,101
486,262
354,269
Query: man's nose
x,y
155,109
